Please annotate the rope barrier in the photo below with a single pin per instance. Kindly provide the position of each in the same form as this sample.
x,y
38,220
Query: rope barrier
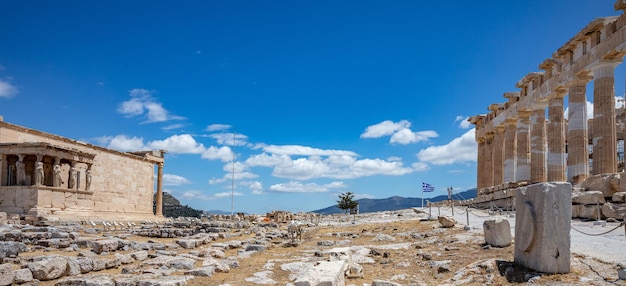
x,y
478,215
597,234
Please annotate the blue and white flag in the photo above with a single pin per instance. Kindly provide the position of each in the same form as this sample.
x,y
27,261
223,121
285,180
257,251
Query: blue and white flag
x,y
426,187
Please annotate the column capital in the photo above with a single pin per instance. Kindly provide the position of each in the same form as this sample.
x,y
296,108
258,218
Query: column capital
x,y
476,119
603,68
558,93
511,121
524,114
538,105
577,80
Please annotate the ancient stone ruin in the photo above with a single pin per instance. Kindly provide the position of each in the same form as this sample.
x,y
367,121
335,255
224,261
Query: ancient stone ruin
x,y
518,145
45,177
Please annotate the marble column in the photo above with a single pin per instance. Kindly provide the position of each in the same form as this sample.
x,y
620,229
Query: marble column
x,y
480,163
510,150
522,172
556,139
488,162
159,192
604,133
538,145
577,137
498,156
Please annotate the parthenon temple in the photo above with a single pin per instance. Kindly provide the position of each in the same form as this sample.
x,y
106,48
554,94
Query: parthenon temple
x,y
530,139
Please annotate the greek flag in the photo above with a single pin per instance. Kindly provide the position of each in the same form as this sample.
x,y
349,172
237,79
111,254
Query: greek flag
x,y
426,187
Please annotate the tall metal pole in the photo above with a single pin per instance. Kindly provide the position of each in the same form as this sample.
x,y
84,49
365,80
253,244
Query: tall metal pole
x,y
232,187
422,195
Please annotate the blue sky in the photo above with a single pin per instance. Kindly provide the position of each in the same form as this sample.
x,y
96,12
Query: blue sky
x,y
324,97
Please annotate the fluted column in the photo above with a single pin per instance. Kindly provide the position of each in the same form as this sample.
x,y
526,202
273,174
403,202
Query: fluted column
x,y
159,193
577,137
480,163
538,145
604,133
510,150
522,172
488,162
498,156
556,139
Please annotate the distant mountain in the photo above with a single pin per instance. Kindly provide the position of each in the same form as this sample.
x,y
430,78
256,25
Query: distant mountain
x,y
395,203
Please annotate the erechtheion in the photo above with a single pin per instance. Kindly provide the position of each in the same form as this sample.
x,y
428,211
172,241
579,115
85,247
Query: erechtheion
x,y
48,176
519,145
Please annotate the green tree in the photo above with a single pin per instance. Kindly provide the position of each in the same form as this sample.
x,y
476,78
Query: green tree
x,y
346,202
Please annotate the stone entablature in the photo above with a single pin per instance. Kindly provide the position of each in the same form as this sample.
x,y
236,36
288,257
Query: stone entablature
x,y
72,180
503,133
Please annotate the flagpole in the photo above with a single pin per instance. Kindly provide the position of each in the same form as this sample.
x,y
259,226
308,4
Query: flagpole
x,y
422,194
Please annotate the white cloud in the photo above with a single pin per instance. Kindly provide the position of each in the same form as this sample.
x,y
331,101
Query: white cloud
x,y
460,149
406,136
7,90
194,195
619,102
303,150
223,153
227,195
463,123
301,169
297,187
217,127
384,128
420,166
174,180
125,144
255,186
338,167
266,160
240,172
229,139
172,127
178,144
142,103
400,132
370,167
